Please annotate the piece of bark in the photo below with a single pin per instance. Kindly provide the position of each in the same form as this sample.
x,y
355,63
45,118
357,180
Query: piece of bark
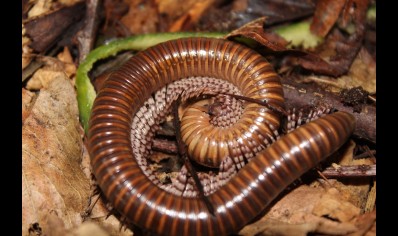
x,y
44,30
164,145
54,188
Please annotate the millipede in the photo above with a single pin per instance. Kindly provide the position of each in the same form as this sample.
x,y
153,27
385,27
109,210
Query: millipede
x,y
137,96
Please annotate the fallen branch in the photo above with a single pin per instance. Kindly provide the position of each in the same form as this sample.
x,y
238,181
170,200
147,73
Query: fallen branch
x,y
86,36
350,171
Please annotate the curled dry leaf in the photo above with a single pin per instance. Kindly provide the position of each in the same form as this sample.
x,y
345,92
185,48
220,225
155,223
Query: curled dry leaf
x,y
54,189
254,30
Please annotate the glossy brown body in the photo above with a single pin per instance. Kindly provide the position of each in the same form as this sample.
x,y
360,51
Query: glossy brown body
x,y
247,193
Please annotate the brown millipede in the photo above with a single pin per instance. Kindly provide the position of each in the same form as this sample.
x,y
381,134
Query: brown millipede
x,y
144,203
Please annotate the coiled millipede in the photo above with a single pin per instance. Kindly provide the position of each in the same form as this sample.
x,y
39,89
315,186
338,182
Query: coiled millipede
x,y
131,188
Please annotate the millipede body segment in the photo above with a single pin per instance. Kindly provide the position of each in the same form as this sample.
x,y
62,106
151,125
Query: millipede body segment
x,y
269,170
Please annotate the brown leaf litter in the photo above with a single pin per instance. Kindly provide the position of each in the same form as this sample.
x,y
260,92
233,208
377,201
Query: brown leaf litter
x,y
54,189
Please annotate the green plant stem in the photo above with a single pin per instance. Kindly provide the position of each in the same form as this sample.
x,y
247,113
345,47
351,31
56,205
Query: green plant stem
x,y
85,90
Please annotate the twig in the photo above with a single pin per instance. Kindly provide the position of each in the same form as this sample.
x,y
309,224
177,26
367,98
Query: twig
x,y
350,171
164,145
86,36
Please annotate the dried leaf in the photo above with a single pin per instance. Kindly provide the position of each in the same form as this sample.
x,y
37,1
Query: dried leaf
x,y
89,229
362,73
109,223
42,78
68,2
235,14
366,224
26,50
354,191
173,9
371,201
114,11
98,212
331,205
181,15
44,30
40,7
54,189
334,57
254,30
273,227
68,66
326,14
27,98
142,17
191,17
354,11
340,49
52,68
294,213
